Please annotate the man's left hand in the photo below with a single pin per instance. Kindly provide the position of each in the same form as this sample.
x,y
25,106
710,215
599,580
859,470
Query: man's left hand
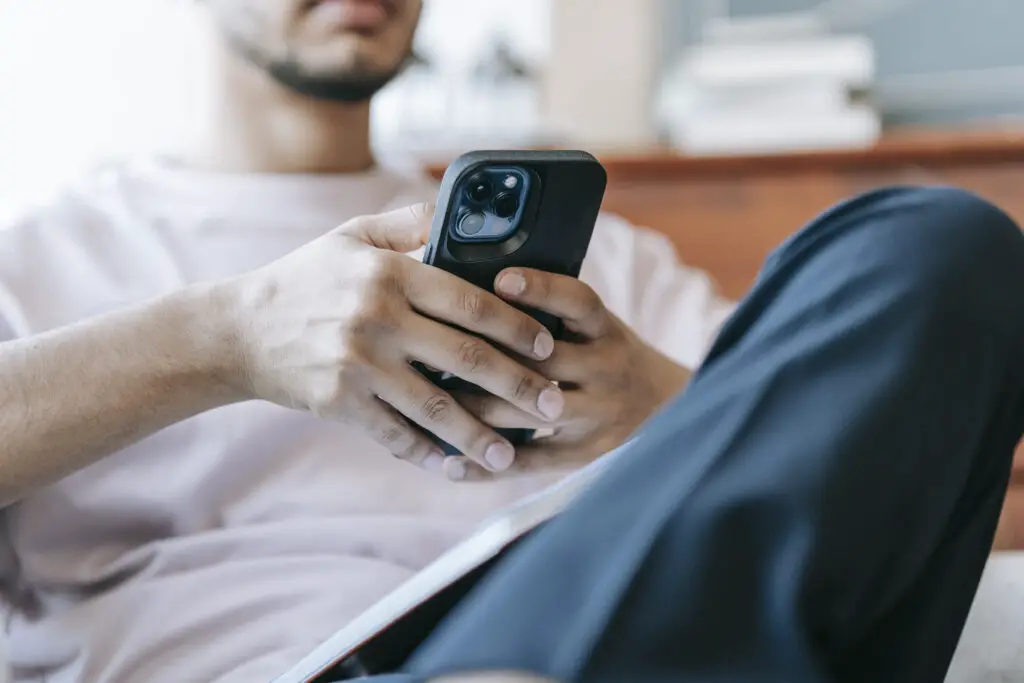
x,y
612,381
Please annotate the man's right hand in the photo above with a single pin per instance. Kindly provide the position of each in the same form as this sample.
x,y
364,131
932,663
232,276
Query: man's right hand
x,y
333,327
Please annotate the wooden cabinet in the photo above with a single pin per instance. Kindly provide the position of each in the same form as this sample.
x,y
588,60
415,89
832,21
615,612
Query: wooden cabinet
x,y
725,214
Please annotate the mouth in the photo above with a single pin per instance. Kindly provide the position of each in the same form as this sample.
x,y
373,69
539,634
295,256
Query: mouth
x,y
362,16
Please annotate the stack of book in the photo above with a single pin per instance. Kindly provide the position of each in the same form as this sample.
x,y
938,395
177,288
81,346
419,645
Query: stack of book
x,y
758,95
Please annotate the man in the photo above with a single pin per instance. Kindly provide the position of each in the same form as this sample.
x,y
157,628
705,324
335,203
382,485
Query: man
x,y
165,526
229,544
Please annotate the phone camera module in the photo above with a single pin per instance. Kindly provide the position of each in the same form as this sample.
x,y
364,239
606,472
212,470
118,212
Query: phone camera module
x,y
506,205
472,223
479,190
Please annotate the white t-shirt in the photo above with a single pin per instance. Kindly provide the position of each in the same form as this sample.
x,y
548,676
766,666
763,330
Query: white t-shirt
x,y
226,547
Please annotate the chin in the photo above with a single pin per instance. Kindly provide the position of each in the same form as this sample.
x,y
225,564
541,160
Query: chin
x,y
352,55
344,71
319,50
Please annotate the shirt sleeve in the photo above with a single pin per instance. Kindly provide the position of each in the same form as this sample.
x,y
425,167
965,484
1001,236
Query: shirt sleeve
x,y
672,306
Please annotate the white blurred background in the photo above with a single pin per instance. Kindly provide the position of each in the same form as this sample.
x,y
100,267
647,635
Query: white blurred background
x,y
79,80
83,80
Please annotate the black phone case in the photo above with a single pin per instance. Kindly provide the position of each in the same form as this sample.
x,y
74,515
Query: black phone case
x,y
558,223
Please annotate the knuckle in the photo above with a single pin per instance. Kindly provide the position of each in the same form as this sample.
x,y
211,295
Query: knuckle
x,y
352,370
394,436
617,381
437,408
473,355
590,303
400,442
421,211
355,225
387,273
374,318
523,388
476,305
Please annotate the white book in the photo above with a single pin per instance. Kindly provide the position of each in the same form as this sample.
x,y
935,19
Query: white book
x,y
849,59
859,126
760,27
379,639
797,95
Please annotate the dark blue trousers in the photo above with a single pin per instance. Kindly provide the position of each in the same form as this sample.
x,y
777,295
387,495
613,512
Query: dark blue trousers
x,y
819,503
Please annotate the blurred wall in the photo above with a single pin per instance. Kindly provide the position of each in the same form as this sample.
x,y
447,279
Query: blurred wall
x,y
601,72
940,61
80,81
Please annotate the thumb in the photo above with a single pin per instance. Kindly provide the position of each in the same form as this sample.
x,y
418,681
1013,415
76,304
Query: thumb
x,y
402,230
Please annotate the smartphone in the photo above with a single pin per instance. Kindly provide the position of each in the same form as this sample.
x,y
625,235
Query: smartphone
x,y
495,210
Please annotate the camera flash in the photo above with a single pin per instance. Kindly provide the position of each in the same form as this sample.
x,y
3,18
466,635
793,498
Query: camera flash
x,y
511,181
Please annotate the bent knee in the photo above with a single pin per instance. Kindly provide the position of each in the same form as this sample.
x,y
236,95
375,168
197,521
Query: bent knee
x,y
949,235
962,220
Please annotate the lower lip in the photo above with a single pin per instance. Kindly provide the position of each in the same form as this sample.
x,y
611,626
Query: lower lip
x,y
349,14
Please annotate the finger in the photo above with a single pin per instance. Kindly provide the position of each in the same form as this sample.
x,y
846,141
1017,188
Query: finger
x,y
402,230
501,414
566,297
542,458
458,467
569,363
392,431
479,363
425,404
446,297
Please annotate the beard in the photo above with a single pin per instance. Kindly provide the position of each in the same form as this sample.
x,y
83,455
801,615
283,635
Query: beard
x,y
353,85
248,26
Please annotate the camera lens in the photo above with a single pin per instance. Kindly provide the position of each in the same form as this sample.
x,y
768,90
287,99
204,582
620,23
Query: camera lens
x,y
471,223
479,190
506,205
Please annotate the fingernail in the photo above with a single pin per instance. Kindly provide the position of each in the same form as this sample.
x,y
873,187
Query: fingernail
x,y
551,403
434,461
544,345
455,469
499,456
512,284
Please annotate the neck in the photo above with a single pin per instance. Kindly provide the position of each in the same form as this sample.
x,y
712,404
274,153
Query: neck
x,y
250,124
